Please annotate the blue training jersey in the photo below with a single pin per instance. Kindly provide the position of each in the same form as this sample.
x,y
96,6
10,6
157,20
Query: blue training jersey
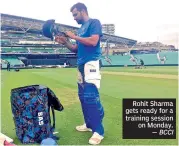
x,y
89,53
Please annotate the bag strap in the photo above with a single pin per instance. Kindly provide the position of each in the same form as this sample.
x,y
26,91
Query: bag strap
x,y
53,127
53,114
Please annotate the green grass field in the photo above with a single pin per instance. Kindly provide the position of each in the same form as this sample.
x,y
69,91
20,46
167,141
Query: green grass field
x,y
114,87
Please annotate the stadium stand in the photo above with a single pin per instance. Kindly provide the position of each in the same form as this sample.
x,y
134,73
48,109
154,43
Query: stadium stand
x,y
22,24
14,62
149,59
23,44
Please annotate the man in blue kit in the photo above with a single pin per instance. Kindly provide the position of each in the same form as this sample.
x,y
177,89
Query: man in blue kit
x,y
88,51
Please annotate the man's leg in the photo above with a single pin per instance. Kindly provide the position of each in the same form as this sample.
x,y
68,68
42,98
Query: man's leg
x,y
92,102
95,112
81,98
84,109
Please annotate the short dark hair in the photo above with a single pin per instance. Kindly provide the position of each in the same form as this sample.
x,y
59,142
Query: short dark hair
x,y
79,7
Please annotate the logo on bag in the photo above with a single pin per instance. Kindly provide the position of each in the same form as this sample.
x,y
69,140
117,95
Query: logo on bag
x,y
40,117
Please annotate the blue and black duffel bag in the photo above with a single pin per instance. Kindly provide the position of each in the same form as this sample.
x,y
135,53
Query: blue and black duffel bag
x,y
31,112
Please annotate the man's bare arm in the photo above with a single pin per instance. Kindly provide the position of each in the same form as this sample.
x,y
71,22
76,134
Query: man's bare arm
x,y
89,41
71,47
64,41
